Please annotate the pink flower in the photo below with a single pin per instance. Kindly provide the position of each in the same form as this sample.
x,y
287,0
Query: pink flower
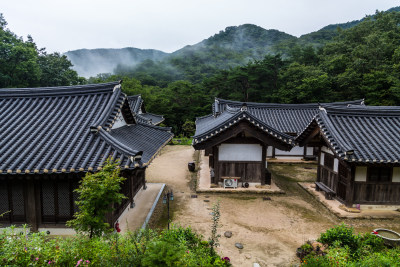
x,y
36,259
49,262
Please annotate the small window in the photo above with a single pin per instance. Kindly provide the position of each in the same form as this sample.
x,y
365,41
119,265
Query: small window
x,y
379,174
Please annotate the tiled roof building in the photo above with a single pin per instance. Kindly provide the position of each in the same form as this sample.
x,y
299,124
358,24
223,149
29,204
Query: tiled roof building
x,y
57,134
360,152
239,136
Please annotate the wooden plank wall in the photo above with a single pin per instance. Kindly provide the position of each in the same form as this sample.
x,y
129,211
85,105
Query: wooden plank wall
x,y
248,171
377,193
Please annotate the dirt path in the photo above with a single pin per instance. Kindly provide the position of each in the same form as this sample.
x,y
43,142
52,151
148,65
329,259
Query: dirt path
x,y
269,230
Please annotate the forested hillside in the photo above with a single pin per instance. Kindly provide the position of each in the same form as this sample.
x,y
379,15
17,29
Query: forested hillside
x,y
362,61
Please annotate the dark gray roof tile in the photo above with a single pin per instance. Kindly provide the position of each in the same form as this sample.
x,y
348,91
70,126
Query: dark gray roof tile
x,y
65,129
372,132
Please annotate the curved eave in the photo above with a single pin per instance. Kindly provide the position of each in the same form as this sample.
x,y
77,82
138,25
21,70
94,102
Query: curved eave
x,y
127,151
243,116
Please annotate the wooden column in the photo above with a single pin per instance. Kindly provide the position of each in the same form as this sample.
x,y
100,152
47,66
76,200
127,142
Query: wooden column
x,y
319,165
263,159
273,152
216,165
305,151
144,179
350,187
30,204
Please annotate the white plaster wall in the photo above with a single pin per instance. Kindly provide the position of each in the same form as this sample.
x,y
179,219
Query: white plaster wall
x,y
310,151
335,165
322,159
295,151
269,151
240,152
119,122
361,174
396,175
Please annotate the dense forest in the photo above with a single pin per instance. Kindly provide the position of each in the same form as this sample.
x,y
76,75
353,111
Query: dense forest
x,y
358,60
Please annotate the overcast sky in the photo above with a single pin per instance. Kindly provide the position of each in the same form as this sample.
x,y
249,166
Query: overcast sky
x,y
168,25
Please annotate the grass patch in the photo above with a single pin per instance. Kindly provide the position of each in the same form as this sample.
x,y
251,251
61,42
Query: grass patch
x,y
243,197
184,141
296,172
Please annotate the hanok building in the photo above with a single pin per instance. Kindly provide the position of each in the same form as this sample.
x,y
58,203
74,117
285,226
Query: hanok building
x,y
359,155
51,137
138,109
239,137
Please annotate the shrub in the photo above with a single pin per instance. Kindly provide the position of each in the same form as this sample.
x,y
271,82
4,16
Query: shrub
x,y
340,233
349,249
176,247
97,192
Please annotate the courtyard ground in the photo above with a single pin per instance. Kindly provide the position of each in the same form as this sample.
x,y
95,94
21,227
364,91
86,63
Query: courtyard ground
x,y
269,230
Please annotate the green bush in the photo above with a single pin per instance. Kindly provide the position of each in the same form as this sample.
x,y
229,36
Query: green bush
x,y
342,234
176,247
349,249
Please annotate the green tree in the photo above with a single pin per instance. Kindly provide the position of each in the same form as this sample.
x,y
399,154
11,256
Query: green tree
x,y
56,70
97,193
18,59
188,128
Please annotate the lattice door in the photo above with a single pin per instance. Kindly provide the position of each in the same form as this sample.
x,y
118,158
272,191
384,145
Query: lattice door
x,y
48,205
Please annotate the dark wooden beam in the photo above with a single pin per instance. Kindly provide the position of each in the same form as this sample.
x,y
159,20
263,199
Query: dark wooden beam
x,y
350,187
216,165
264,158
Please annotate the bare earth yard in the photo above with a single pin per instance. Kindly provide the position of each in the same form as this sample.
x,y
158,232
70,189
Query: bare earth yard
x,y
270,230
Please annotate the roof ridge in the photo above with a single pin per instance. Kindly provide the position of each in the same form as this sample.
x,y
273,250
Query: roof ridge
x,y
102,119
57,91
152,114
155,126
386,111
286,105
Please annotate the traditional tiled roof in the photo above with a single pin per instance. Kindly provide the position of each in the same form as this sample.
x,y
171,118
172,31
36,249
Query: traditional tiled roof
x,y
209,126
363,134
147,138
287,118
67,129
138,109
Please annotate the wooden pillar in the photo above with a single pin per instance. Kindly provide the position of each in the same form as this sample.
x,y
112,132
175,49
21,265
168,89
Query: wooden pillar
x,y
144,179
350,187
263,160
31,205
216,165
305,151
319,166
273,152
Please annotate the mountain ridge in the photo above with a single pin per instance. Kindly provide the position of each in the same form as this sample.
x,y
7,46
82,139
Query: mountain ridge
x,y
233,46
